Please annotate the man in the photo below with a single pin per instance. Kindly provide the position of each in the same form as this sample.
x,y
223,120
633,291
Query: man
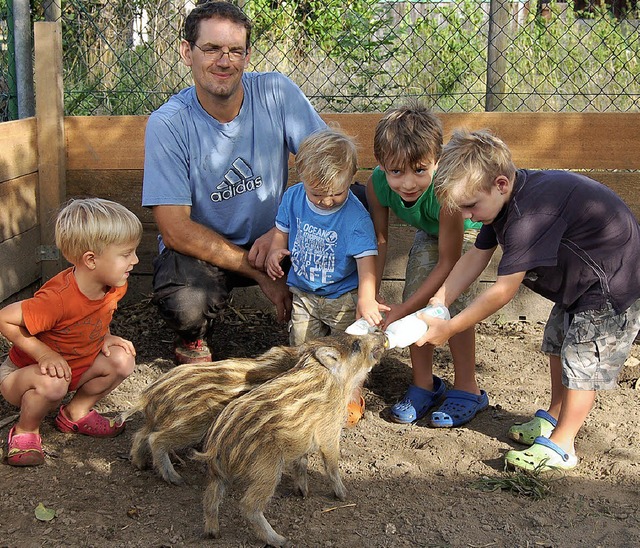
x,y
216,164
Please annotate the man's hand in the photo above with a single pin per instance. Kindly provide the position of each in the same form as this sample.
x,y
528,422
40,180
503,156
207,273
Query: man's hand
x,y
278,293
259,251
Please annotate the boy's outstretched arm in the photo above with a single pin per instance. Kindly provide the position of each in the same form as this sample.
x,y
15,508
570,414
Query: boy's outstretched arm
x,y
462,275
12,327
450,240
367,307
485,304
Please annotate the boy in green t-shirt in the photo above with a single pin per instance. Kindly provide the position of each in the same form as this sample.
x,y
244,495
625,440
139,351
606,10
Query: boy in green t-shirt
x,y
407,145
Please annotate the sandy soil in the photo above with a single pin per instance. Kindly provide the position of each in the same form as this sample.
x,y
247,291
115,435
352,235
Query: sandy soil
x,y
408,485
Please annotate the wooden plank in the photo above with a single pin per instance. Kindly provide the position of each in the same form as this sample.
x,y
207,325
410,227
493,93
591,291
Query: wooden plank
x,y
546,140
105,142
19,211
20,266
19,148
537,140
560,140
625,185
51,144
122,185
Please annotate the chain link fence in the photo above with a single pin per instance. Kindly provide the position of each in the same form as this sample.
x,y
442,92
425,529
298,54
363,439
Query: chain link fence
x,y
121,57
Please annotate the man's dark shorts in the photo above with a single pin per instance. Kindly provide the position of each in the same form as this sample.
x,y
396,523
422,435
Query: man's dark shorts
x,y
190,293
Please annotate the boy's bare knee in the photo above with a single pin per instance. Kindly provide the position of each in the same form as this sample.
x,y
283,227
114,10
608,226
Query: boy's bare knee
x,y
52,388
121,362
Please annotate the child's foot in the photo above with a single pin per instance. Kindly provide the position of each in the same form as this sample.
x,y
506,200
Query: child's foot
x,y
355,410
542,424
92,424
417,402
542,456
458,408
24,449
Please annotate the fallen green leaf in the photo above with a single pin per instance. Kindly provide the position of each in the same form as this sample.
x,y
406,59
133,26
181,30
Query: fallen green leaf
x,y
44,514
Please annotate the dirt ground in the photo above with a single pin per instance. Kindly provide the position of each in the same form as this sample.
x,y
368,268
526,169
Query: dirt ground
x,y
408,485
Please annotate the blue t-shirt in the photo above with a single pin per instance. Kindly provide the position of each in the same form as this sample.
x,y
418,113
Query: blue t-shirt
x,y
324,244
232,175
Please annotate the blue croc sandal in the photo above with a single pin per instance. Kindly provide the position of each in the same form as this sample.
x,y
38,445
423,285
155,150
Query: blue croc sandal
x,y
417,402
458,408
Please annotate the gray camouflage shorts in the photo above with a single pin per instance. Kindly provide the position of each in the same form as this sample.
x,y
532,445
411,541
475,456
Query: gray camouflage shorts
x,y
592,345
313,316
423,258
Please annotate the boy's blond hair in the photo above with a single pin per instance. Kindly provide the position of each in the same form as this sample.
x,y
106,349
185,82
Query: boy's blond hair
x,y
91,224
327,160
408,136
470,163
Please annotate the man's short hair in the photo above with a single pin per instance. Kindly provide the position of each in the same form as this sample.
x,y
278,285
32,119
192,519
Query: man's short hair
x,y
470,163
92,224
212,10
327,160
407,136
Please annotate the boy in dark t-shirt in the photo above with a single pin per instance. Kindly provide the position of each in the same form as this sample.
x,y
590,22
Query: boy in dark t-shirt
x,y
569,239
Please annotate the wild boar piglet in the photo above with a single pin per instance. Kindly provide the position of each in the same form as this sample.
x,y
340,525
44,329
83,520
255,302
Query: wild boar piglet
x,y
181,405
282,421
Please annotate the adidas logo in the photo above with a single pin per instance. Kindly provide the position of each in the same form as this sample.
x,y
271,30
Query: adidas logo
x,y
238,180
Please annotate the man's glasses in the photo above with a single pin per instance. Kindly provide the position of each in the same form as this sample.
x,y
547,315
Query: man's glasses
x,y
215,54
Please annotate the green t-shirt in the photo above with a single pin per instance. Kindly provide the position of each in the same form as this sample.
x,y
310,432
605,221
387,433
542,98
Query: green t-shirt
x,y
423,214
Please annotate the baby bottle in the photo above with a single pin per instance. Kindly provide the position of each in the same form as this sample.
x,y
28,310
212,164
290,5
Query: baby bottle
x,y
405,331
360,327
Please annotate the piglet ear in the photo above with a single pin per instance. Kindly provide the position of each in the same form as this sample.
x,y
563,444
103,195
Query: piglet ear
x,y
329,357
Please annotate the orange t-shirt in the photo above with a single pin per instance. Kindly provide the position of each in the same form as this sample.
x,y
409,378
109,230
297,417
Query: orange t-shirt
x,y
64,319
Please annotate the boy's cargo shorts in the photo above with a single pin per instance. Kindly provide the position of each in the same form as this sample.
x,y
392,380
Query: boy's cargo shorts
x,y
314,316
423,258
592,345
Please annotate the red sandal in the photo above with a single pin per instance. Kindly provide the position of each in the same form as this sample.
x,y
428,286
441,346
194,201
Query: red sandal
x,y
92,424
24,449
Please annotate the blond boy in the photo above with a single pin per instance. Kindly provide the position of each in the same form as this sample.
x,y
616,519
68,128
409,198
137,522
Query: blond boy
x,y
61,339
329,237
569,239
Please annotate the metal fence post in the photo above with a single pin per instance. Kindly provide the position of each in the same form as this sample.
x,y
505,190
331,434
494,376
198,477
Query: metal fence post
x,y
497,53
23,57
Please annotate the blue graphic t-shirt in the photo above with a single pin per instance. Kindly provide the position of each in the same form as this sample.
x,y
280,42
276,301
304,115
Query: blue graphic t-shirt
x,y
232,175
324,244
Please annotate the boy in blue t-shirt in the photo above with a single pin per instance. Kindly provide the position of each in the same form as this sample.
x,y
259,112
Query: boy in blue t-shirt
x,y
329,236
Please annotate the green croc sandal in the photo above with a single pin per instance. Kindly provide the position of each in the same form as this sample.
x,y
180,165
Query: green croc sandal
x,y
542,424
543,455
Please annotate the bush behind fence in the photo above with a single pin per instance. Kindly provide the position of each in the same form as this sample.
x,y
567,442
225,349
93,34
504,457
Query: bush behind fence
x,y
121,57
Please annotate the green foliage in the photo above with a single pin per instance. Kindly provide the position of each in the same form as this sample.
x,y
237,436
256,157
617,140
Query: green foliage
x,y
363,56
535,484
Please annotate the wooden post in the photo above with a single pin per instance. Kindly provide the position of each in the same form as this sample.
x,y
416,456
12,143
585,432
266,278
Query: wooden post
x,y
497,53
51,144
